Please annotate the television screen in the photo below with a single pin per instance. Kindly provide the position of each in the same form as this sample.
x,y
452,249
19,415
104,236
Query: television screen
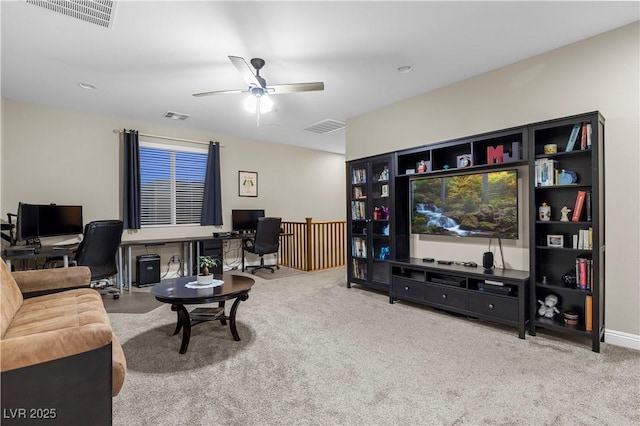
x,y
48,220
471,205
245,220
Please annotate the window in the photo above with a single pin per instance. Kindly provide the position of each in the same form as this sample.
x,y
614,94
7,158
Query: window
x,y
171,184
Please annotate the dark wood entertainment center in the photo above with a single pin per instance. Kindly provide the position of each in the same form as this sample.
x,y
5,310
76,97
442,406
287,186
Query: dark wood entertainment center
x,y
378,212
463,290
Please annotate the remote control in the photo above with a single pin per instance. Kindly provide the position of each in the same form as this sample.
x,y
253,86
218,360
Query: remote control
x,y
445,262
428,259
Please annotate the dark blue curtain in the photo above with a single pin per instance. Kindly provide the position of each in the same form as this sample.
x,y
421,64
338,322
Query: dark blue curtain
x,y
131,181
212,199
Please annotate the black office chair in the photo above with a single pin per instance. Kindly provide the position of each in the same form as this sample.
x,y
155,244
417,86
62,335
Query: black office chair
x,y
266,241
98,251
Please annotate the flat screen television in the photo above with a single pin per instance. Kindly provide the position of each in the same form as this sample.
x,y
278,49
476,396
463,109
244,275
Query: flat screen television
x,y
470,205
245,220
48,220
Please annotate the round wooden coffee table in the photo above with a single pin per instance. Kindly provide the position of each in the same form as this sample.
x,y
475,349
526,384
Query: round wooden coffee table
x,y
175,292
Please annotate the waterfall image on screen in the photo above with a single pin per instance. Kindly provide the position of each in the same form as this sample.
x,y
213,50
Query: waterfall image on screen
x,y
473,205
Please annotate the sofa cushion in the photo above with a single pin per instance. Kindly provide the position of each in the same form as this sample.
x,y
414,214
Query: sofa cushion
x,y
10,298
55,326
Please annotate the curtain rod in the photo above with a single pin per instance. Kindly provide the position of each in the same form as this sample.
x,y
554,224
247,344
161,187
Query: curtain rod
x,y
167,138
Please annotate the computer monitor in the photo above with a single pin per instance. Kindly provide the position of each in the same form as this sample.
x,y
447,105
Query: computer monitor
x,y
27,222
47,220
245,220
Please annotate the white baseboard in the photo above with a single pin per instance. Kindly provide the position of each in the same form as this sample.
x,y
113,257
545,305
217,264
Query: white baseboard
x,y
619,338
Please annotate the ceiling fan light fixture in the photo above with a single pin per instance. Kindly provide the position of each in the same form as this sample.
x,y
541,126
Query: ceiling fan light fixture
x,y
258,102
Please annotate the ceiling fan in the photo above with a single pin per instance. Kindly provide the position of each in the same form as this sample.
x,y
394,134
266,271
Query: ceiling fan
x,y
259,100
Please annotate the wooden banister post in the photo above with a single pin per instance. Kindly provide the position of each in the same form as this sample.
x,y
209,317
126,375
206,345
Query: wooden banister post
x,y
309,249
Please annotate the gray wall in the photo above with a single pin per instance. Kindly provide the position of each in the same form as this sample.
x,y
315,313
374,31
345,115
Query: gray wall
x,y
72,157
600,73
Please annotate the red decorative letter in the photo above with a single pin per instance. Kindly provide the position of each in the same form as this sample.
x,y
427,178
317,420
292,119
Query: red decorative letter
x,y
495,154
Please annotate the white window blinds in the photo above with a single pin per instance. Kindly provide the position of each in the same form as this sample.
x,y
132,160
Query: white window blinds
x,y
171,184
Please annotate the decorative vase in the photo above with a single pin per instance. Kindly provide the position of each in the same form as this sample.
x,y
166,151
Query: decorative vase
x,y
544,212
205,279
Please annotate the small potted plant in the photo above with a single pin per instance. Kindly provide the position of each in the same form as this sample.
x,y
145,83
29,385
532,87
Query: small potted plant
x,y
206,263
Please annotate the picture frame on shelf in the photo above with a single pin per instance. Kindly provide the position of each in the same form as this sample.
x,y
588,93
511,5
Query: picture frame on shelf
x,y
247,184
555,240
384,191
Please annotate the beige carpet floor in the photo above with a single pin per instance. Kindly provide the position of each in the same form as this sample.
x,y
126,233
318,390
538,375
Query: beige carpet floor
x,y
316,353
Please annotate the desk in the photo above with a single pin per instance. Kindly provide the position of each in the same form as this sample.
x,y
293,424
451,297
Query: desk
x,y
124,251
125,246
42,252
54,251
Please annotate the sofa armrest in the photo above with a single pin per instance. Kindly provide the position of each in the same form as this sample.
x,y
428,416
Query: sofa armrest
x,y
47,280
24,351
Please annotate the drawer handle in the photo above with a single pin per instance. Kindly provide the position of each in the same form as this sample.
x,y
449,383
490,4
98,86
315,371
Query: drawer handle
x,y
490,305
444,296
406,288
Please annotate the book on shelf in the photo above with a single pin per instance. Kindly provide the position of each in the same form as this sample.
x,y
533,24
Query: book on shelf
x,y
357,193
588,315
584,272
583,137
359,176
358,210
585,239
588,206
546,171
359,269
589,135
572,138
579,205
359,247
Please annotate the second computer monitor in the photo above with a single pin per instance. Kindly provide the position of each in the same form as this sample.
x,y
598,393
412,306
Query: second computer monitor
x,y
245,220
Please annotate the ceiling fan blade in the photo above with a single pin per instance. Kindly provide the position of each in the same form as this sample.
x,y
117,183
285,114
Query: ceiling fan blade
x,y
245,71
218,92
276,89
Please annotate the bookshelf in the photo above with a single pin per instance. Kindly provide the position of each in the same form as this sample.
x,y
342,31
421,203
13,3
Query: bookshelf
x,y
565,157
573,270
370,221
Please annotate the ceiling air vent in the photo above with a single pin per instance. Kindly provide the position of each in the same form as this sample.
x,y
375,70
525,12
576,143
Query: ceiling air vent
x,y
98,12
325,126
176,115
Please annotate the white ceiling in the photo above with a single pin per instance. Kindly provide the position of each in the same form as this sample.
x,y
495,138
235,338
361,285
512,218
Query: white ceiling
x,y
156,54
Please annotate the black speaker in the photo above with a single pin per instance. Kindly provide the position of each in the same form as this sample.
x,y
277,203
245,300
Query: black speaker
x,y
147,270
487,260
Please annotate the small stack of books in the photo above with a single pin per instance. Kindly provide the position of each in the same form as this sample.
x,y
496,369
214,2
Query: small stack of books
x,y
546,172
584,272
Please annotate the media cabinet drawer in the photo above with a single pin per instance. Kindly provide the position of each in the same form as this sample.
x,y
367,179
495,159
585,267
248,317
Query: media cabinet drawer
x,y
447,295
499,307
407,288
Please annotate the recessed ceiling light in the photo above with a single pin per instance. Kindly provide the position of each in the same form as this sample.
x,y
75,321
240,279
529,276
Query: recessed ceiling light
x,y
405,69
87,86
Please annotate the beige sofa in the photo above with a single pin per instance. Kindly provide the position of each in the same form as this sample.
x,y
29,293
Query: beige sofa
x,y
60,362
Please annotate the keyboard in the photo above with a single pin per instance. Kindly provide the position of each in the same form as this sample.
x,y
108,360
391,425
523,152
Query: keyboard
x,y
64,247
67,243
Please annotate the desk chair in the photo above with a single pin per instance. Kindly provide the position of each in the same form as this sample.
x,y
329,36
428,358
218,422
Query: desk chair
x,y
98,251
266,241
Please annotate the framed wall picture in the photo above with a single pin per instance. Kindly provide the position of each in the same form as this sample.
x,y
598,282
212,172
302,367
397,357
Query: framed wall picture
x,y
247,184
